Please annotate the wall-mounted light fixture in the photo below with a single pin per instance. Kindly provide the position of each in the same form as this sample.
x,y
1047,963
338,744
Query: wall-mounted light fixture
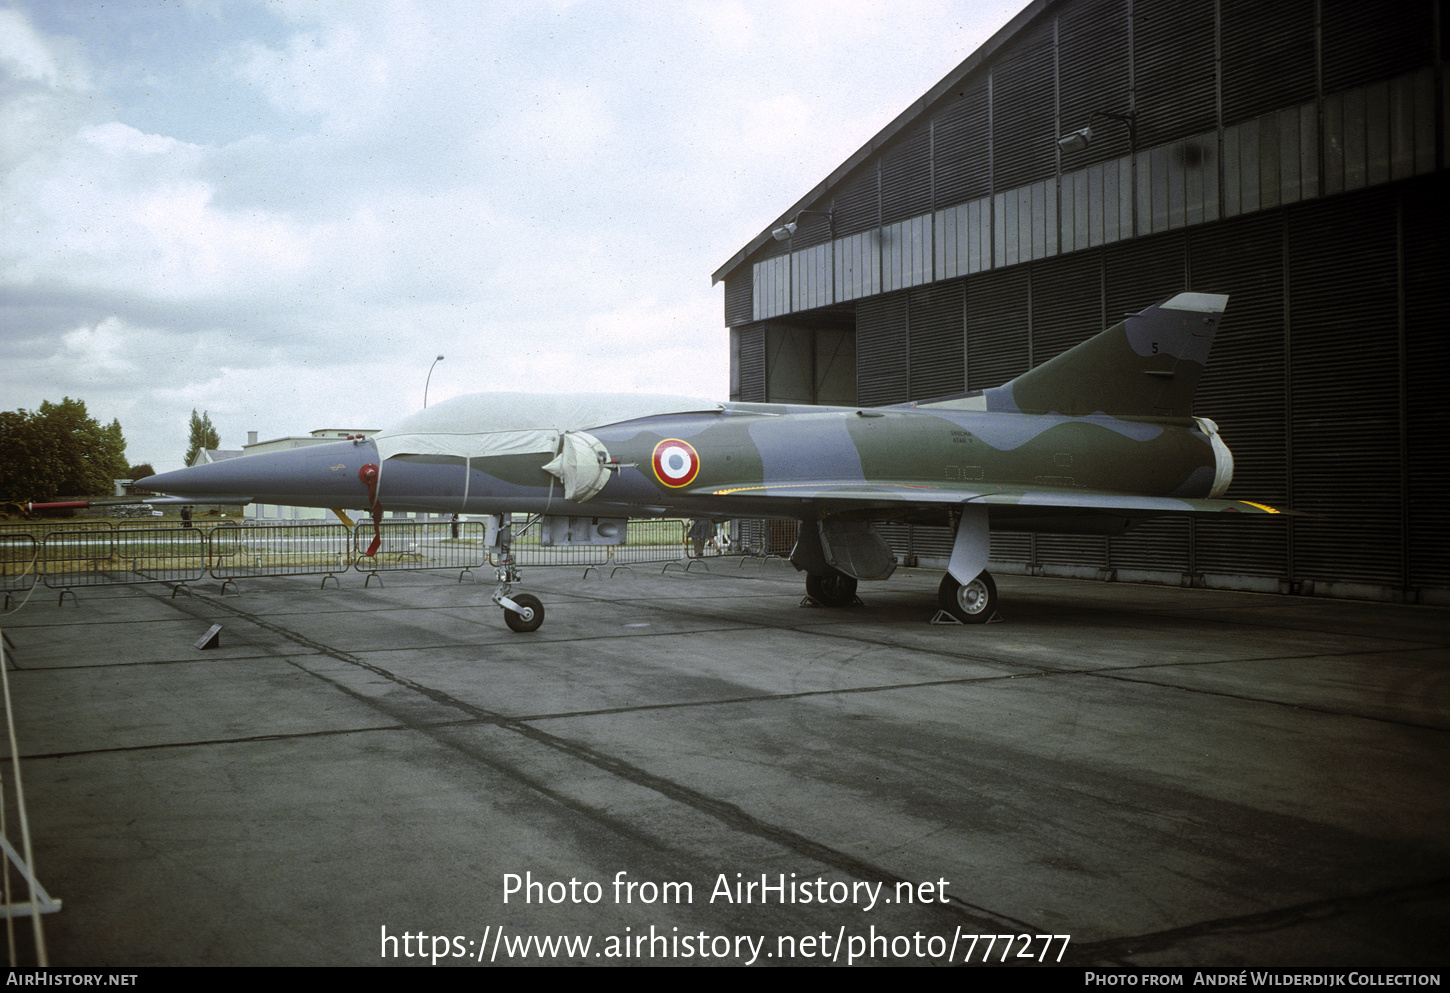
x,y
1079,140
787,230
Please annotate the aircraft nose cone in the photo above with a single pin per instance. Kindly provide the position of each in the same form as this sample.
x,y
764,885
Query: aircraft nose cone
x,y
315,476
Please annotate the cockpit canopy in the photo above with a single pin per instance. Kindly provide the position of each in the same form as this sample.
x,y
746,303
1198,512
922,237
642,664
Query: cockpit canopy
x,y
486,424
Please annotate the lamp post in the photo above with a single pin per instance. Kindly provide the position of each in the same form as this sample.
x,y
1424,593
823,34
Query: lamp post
x,y
429,380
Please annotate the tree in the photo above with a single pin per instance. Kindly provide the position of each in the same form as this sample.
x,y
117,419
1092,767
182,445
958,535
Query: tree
x,y
140,471
58,450
203,435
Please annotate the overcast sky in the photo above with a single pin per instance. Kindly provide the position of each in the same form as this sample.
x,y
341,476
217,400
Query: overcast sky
x,y
279,213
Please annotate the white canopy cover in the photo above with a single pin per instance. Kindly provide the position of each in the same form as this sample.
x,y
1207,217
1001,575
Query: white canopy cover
x,y
485,424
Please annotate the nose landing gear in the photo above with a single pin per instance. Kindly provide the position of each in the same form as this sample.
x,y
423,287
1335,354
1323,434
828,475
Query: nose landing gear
x,y
522,612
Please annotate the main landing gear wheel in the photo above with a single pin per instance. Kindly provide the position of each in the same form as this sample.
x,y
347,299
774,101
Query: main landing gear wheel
x,y
532,616
834,590
970,603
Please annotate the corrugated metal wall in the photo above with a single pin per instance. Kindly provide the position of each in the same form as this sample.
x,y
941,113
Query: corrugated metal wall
x,y
1425,230
1024,80
962,167
1268,56
882,351
1243,390
1175,77
1344,390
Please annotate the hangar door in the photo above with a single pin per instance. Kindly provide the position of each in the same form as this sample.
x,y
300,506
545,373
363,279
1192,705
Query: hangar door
x,y
782,363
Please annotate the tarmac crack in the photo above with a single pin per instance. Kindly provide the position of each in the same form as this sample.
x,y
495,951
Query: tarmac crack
x,y
1120,677
242,740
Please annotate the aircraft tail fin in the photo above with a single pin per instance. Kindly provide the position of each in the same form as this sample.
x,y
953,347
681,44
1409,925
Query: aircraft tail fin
x,y
1148,365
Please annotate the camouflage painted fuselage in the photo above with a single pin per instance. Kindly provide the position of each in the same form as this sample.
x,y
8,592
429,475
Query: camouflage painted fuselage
x,y
1094,440
797,462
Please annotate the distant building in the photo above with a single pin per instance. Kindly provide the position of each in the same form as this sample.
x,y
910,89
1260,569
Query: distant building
x,y
209,455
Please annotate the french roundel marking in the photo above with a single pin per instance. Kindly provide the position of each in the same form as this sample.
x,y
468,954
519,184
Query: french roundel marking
x,y
676,462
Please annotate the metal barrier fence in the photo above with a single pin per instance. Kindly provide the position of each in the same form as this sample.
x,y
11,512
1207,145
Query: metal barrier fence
x,y
653,541
19,563
122,556
44,525
285,550
100,553
412,546
648,540
765,538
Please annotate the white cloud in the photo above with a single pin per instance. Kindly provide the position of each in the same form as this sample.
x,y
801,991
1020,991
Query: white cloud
x,y
114,209
338,76
24,55
98,353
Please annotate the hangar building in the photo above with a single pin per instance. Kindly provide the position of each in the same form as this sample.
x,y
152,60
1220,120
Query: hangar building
x,y
1291,155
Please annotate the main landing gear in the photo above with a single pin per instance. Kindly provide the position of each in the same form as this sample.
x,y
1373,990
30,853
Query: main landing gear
x,y
835,589
971,603
831,542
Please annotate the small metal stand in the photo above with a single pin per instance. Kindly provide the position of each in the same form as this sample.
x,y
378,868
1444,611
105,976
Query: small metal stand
x,y
810,601
44,902
615,571
212,639
942,617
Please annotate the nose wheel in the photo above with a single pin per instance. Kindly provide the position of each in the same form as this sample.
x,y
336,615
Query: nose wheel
x,y
528,617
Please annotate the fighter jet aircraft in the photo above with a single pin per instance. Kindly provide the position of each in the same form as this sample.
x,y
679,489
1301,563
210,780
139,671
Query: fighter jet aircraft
x,y
1093,441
